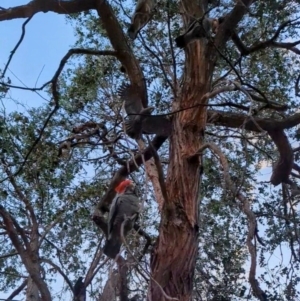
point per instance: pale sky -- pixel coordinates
(48, 38)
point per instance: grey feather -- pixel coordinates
(133, 105)
(144, 122)
(158, 125)
(123, 206)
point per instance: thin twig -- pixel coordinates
(16, 47)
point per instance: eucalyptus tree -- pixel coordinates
(211, 221)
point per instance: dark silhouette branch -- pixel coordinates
(230, 22)
(36, 6)
(244, 50)
(237, 120)
(18, 290)
(59, 270)
(16, 47)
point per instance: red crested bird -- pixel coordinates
(124, 209)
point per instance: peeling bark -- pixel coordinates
(174, 256)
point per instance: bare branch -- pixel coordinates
(283, 167)
(33, 7)
(18, 290)
(244, 50)
(16, 47)
(230, 22)
(8, 255)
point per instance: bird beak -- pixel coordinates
(132, 184)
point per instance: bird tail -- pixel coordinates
(180, 41)
(112, 248)
(132, 33)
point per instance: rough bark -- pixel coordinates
(174, 256)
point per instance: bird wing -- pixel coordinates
(112, 214)
(130, 94)
(159, 125)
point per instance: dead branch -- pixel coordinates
(153, 174)
(160, 173)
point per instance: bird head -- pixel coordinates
(124, 185)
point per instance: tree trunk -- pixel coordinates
(32, 292)
(173, 259)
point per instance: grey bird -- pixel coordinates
(124, 209)
(143, 122)
(141, 17)
(202, 28)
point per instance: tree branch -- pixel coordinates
(35, 6)
(59, 270)
(18, 290)
(235, 120)
(283, 167)
(28, 258)
(124, 171)
(120, 44)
